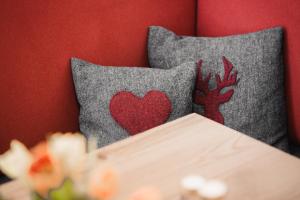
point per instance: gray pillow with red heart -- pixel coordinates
(116, 102)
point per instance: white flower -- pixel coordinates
(15, 162)
(70, 150)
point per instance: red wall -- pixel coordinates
(38, 38)
(226, 17)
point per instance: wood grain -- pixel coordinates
(195, 145)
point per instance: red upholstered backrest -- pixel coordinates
(226, 17)
(37, 38)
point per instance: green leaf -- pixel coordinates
(64, 192)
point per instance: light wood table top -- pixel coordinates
(162, 156)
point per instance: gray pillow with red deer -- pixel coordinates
(116, 102)
(240, 80)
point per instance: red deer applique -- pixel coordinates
(212, 99)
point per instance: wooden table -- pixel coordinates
(196, 145)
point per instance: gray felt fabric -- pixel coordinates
(95, 86)
(257, 107)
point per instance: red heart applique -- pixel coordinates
(136, 114)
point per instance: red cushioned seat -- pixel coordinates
(39, 37)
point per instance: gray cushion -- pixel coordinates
(116, 102)
(250, 101)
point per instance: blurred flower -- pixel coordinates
(70, 150)
(44, 172)
(47, 164)
(61, 168)
(92, 143)
(146, 193)
(15, 162)
(103, 183)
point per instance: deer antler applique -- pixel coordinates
(212, 99)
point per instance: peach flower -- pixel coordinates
(103, 183)
(44, 172)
